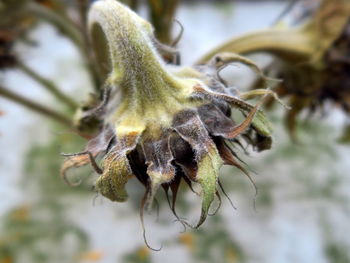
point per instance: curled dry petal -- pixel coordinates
(95, 146)
(158, 159)
(189, 126)
(116, 169)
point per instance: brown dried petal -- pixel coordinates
(253, 116)
(215, 121)
(189, 126)
(174, 187)
(93, 148)
(116, 169)
(184, 157)
(229, 158)
(160, 170)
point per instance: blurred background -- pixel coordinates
(300, 214)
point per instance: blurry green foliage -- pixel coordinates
(140, 255)
(215, 244)
(39, 230)
(337, 253)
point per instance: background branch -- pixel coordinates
(48, 85)
(38, 108)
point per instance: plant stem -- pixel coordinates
(83, 7)
(134, 64)
(69, 29)
(285, 11)
(49, 85)
(305, 43)
(35, 107)
(134, 4)
(65, 26)
(162, 15)
(284, 42)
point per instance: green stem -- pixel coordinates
(69, 29)
(83, 6)
(289, 43)
(49, 85)
(35, 107)
(133, 4)
(64, 25)
(125, 51)
(162, 17)
(303, 44)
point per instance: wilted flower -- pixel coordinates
(337, 82)
(311, 85)
(312, 58)
(169, 123)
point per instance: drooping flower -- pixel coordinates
(312, 58)
(163, 124)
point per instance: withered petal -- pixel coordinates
(94, 147)
(116, 168)
(215, 121)
(253, 115)
(160, 170)
(226, 195)
(189, 126)
(101, 141)
(219, 205)
(174, 187)
(74, 160)
(229, 158)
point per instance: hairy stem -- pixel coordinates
(124, 49)
(56, 116)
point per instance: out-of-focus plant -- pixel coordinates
(313, 58)
(40, 229)
(161, 14)
(140, 255)
(162, 18)
(17, 19)
(26, 228)
(219, 244)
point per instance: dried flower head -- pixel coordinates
(337, 81)
(163, 124)
(323, 78)
(312, 58)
